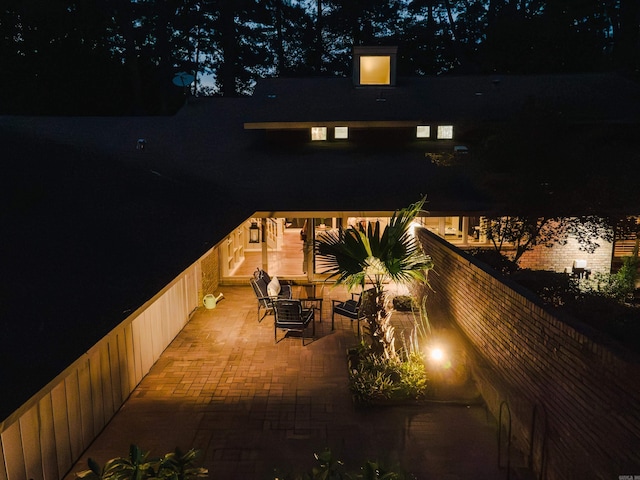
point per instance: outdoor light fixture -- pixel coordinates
(254, 233)
(436, 354)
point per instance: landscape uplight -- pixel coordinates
(437, 354)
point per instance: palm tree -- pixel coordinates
(359, 255)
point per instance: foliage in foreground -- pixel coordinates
(330, 468)
(139, 466)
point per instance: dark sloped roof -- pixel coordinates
(581, 97)
(87, 216)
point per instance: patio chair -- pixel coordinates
(268, 289)
(355, 308)
(290, 316)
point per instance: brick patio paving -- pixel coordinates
(251, 405)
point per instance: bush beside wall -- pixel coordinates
(584, 392)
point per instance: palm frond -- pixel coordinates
(346, 255)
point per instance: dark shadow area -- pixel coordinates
(86, 241)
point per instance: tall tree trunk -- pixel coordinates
(163, 51)
(229, 49)
(131, 58)
(319, 46)
(279, 40)
(447, 5)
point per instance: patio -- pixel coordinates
(252, 406)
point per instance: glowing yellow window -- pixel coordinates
(423, 131)
(375, 70)
(341, 132)
(445, 132)
(318, 133)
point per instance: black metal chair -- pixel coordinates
(290, 316)
(355, 308)
(260, 284)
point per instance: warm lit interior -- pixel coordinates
(445, 132)
(285, 245)
(423, 131)
(375, 70)
(318, 133)
(341, 132)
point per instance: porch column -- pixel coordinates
(441, 226)
(465, 230)
(265, 251)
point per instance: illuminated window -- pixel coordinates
(318, 133)
(423, 131)
(341, 132)
(445, 132)
(375, 70)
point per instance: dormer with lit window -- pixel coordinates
(374, 66)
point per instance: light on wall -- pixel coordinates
(254, 233)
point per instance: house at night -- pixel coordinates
(238, 183)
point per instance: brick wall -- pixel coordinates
(580, 397)
(559, 258)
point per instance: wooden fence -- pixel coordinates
(44, 438)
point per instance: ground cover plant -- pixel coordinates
(375, 379)
(331, 468)
(139, 465)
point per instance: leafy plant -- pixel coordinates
(330, 468)
(377, 378)
(377, 471)
(181, 466)
(138, 466)
(359, 255)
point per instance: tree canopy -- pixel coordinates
(114, 57)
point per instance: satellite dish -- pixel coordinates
(182, 79)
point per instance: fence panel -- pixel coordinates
(43, 438)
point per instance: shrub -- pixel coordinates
(375, 378)
(330, 468)
(138, 466)
(553, 288)
(495, 260)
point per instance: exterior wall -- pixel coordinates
(579, 397)
(44, 438)
(560, 258)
